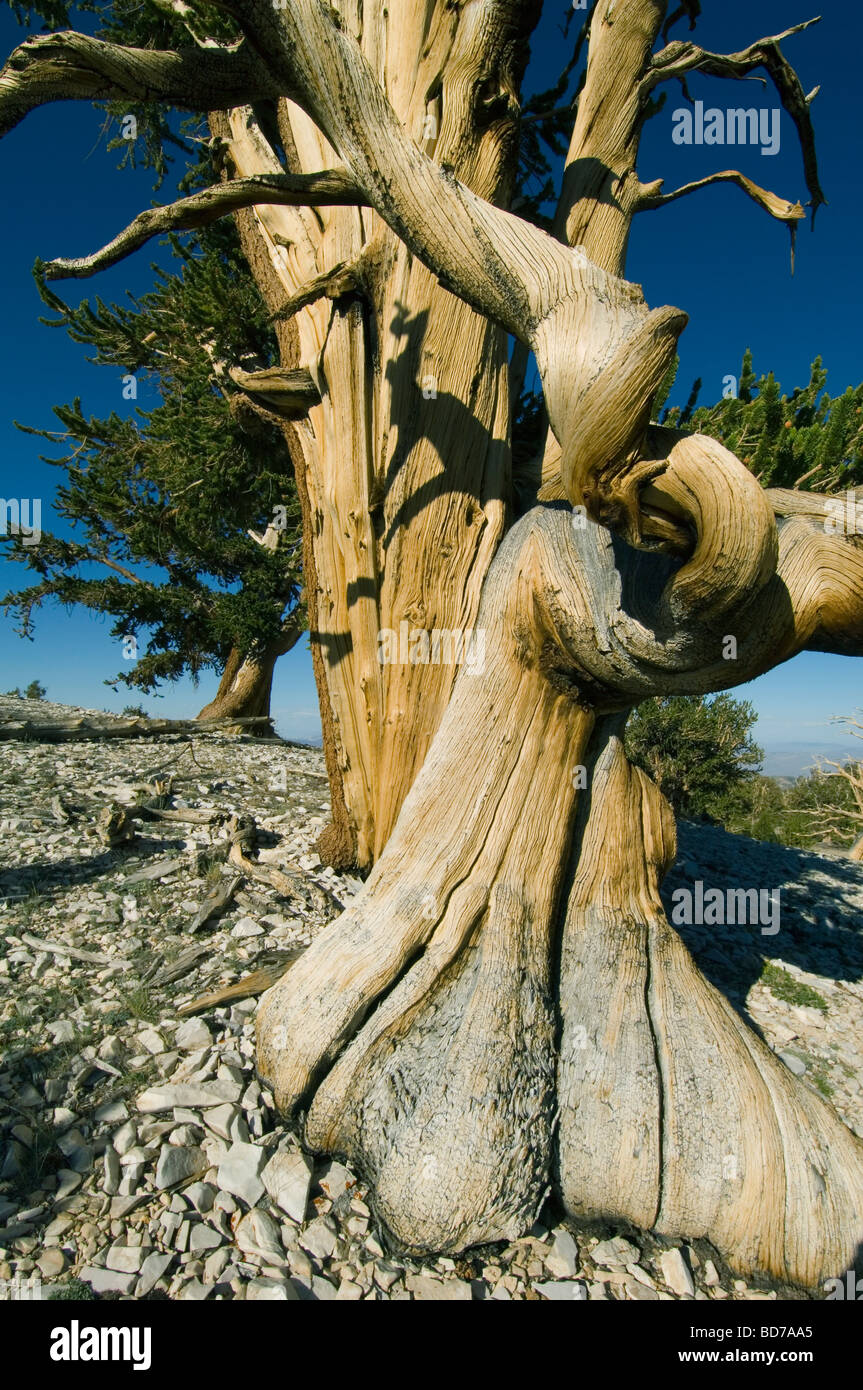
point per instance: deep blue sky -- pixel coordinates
(714, 254)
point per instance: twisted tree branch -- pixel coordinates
(69, 66)
(505, 268)
(780, 208)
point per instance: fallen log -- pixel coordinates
(183, 813)
(274, 967)
(186, 961)
(59, 948)
(115, 824)
(160, 869)
(81, 729)
(286, 882)
(263, 873)
(216, 901)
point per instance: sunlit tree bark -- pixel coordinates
(504, 1008)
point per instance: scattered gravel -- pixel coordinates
(139, 1153)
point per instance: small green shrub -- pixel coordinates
(73, 1291)
(139, 1003)
(792, 991)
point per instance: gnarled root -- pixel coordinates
(674, 1114)
(446, 1098)
(422, 1021)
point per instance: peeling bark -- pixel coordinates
(405, 463)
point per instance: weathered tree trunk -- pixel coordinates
(428, 1030)
(245, 687)
(674, 1114)
(403, 469)
(445, 1095)
(505, 1007)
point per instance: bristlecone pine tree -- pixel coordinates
(698, 750)
(185, 519)
(504, 1008)
(808, 439)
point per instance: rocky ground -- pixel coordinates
(139, 1155)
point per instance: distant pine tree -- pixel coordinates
(698, 750)
(808, 440)
(162, 505)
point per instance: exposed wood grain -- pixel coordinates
(255, 983)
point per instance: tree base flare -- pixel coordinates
(504, 1009)
(674, 1114)
(475, 1080)
(449, 1109)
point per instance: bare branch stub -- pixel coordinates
(688, 9)
(679, 58)
(780, 208)
(341, 279)
(287, 394)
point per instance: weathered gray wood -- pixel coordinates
(79, 730)
(186, 961)
(157, 870)
(271, 970)
(59, 948)
(216, 901)
(180, 813)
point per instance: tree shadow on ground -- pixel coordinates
(820, 918)
(45, 877)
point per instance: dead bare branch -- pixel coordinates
(330, 284)
(330, 187)
(679, 58)
(64, 730)
(59, 948)
(272, 967)
(780, 208)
